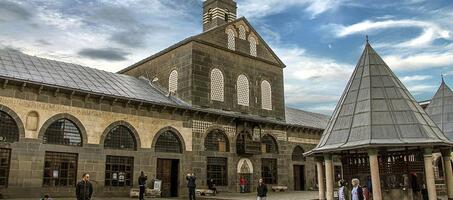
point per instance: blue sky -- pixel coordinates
(319, 40)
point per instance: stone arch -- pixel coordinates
(51, 120)
(175, 132)
(32, 121)
(121, 123)
(16, 118)
(270, 138)
(297, 154)
(245, 164)
(222, 131)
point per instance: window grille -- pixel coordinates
(252, 42)
(243, 90)
(9, 132)
(217, 170)
(168, 142)
(5, 157)
(63, 132)
(242, 32)
(173, 81)
(269, 170)
(60, 169)
(266, 95)
(217, 85)
(120, 137)
(269, 145)
(298, 154)
(119, 171)
(231, 39)
(216, 140)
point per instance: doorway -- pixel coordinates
(168, 171)
(299, 177)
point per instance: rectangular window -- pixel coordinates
(217, 170)
(269, 170)
(5, 155)
(60, 169)
(119, 171)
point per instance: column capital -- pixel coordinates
(327, 156)
(372, 152)
(446, 152)
(428, 152)
(319, 159)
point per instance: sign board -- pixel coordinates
(55, 174)
(157, 184)
(115, 176)
(121, 177)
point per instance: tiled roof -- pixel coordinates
(441, 109)
(376, 110)
(304, 118)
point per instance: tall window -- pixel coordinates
(268, 144)
(217, 85)
(119, 171)
(269, 170)
(5, 156)
(217, 169)
(216, 140)
(120, 137)
(266, 95)
(173, 81)
(9, 132)
(64, 132)
(60, 169)
(168, 142)
(242, 32)
(298, 154)
(243, 90)
(231, 39)
(252, 42)
(226, 15)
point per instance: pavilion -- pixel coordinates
(379, 132)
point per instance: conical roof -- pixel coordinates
(440, 109)
(376, 110)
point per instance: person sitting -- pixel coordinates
(46, 197)
(211, 186)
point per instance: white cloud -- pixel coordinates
(419, 61)
(415, 78)
(421, 88)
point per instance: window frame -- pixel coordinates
(217, 169)
(242, 83)
(212, 137)
(57, 158)
(62, 130)
(269, 170)
(266, 98)
(166, 146)
(111, 165)
(8, 128)
(219, 94)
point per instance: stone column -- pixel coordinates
(446, 155)
(321, 187)
(375, 178)
(429, 173)
(329, 176)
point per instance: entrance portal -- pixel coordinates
(167, 172)
(245, 170)
(299, 177)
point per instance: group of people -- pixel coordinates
(357, 192)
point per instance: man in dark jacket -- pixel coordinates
(261, 190)
(84, 189)
(142, 184)
(191, 185)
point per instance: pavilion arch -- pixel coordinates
(16, 118)
(131, 128)
(270, 142)
(51, 120)
(298, 154)
(175, 132)
(220, 133)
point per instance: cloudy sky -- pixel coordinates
(319, 41)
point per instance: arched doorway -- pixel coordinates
(245, 171)
(298, 168)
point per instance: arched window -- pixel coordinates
(266, 95)
(243, 90)
(216, 140)
(64, 132)
(120, 137)
(268, 144)
(298, 154)
(252, 42)
(242, 32)
(217, 85)
(231, 39)
(169, 142)
(173, 81)
(9, 131)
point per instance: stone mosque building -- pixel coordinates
(212, 104)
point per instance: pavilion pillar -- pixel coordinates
(375, 178)
(446, 155)
(321, 186)
(329, 176)
(429, 173)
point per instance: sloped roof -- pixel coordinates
(305, 118)
(441, 109)
(376, 110)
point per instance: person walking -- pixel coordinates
(191, 185)
(342, 190)
(142, 184)
(84, 189)
(356, 192)
(261, 190)
(242, 183)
